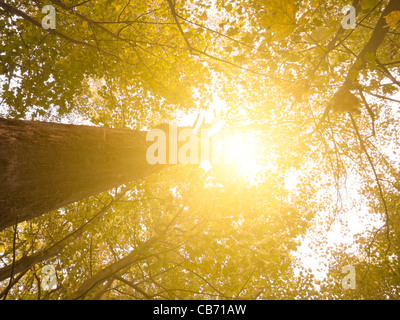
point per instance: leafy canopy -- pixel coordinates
(280, 67)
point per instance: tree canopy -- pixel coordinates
(314, 102)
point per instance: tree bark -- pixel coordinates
(44, 166)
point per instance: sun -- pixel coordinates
(237, 150)
(241, 149)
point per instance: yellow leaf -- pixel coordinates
(345, 101)
(284, 31)
(392, 19)
(321, 34)
(279, 17)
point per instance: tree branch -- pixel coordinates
(10, 284)
(377, 181)
(172, 8)
(28, 18)
(27, 262)
(371, 47)
(135, 287)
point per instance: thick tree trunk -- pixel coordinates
(44, 166)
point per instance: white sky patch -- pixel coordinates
(216, 107)
(291, 180)
(354, 216)
(175, 191)
(347, 217)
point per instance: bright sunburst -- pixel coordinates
(238, 151)
(240, 148)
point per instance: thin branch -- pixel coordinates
(13, 262)
(38, 285)
(15, 280)
(79, 4)
(133, 286)
(377, 181)
(221, 34)
(372, 45)
(387, 73)
(33, 21)
(370, 112)
(103, 290)
(245, 283)
(383, 97)
(172, 8)
(25, 263)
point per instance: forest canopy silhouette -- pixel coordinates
(303, 98)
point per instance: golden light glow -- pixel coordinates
(240, 149)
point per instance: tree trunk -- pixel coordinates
(44, 166)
